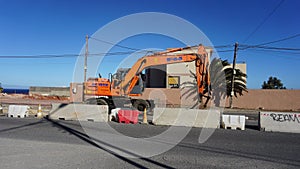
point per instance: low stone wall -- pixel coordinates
(50, 91)
(275, 100)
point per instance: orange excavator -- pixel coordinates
(118, 90)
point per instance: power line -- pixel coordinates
(124, 47)
(276, 51)
(223, 51)
(279, 40)
(220, 46)
(120, 46)
(268, 47)
(275, 48)
(285, 51)
(68, 55)
(264, 20)
(284, 54)
(261, 45)
(244, 46)
(37, 56)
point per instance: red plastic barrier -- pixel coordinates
(128, 116)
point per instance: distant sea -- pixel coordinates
(16, 91)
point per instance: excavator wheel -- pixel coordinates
(101, 102)
(96, 101)
(140, 104)
(91, 101)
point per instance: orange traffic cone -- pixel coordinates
(39, 112)
(145, 120)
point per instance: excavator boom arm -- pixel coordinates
(200, 58)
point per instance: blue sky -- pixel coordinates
(38, 27)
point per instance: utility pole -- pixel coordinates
(86, 55)
(85, 65)
(233, 73)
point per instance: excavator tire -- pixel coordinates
(97, 101)
(101, 102)
(91, 101)
(140, 104)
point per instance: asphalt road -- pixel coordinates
(35, 143)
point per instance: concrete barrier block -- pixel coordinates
(280, 121)
(187, 117)
(97, 113)
(19, 111)
(233, 122)
(62, 112)
(80, 112)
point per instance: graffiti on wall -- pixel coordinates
(285, 117)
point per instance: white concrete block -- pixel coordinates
(280, 121)
(63, 112)
(20, 111)
(80, 112)
(233, 122)
(187, 117)
(86, 112)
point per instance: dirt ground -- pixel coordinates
(34, 99)
(33, 102)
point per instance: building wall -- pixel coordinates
(267, 99)
(241, 66)
(275, 100)
(183, 70)
(76, 92)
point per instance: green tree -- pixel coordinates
(273, 83)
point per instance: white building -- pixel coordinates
(178, 75)
(173, 75)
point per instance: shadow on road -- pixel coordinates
(31, 124)
(21, 127)
(92, 141)
(252, 127)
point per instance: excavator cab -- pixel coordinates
(140, 85)
(119, 76)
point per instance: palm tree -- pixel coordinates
(239, 80)
(220, 87)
